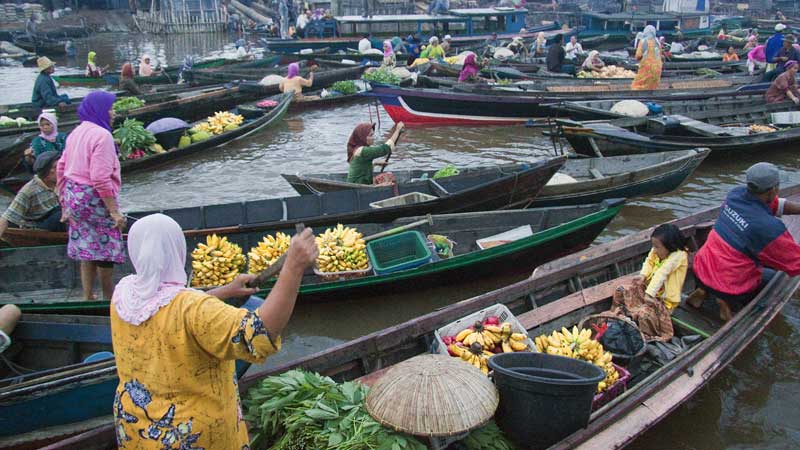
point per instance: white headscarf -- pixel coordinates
(157, 250)
(589, 63)
(648, 35)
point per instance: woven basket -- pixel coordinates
(433, 396)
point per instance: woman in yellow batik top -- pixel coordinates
(656, 292)
(175, 348)
(648, 53)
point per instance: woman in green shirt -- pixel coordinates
(48, 140)
(361, 150)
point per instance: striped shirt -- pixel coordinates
(33, 202)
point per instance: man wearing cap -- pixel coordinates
(36, 204)
(787, 53)
(773, 45)
(785, 85)
(748, 243)
(45, 94)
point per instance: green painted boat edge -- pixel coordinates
(607, 213)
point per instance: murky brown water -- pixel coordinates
(750, 405)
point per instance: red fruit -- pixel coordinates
(492, 320)
(448, 340)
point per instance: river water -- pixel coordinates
(749, 405)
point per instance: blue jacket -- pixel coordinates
(774, 44)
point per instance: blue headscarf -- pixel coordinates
(95, 108)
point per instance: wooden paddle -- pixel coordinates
(428, 219)
(386, 161)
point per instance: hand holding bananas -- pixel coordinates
(579, 345)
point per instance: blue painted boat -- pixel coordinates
(624, 26)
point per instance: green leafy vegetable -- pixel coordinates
(347, 87)
(126, 103)
(132, 136)
(447, 171)
(487, 437)
(302, 410)
(383, 75)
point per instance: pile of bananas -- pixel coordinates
(579, 344)
(217, 262)
(341, 249)
(755, 128)
(219, 123)
(483, 339)
(267, 252)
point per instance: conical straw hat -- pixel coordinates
(433, 395)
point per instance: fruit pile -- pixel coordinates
(482, 340)
(579, 345)
(761, 129)
(267, 252)
(217, 262)
(341, 249)
(608, 72)
(219, 123)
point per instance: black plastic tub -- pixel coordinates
(543, 398)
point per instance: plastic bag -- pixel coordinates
(622, 338)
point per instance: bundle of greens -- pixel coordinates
(132, 136)
(347, 87)
(383, 75)
(487, 437)
(126, 103)
(446, 171)
(300, 410)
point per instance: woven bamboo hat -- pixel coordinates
(434, 396)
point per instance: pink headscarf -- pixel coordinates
(157, 250)
(294, 70)
(469, 69)
(387, 49)
(50, 117)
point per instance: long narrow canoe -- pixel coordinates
(558, 294)
(551, 232)
(481, 192)
(593, 180)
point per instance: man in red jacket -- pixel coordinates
(748, 243)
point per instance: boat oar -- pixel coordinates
(386, 161)
(428, 219)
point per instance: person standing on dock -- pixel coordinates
(45, 94)
(748, 243)
(785, 86)
(367, 7)
(36, 205)
(283, 11)
(176, 347)
(89, 183)
(648, 53)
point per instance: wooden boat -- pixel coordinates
(472, 105)
(482, 192)
(733, 107)
(678, 132)
(170, 75)
(327, 76)
(71, 383)
(545, 233)
(593, 179)
(42, 46)
(309, 100)
(558, 294)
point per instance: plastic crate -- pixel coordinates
(398, 252)
(614, 391)
(500, 310)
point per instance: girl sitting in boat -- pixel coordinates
(361, 150)
(730, 56)
(652, 296)
(470, 70)
(48, 140)
(92, 70)
(294, 82)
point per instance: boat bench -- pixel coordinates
(695, 126)
(62, 332)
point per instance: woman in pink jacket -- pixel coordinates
(756, 59)
(88, 187)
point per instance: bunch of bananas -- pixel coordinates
(219, 123)
(473, 354)
(490, 336)
(579, 344)
(268, 250)
(217, 262)
(341, 249)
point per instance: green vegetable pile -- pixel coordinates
(382, 75)
(132, 136)
(126, 103)
(347, 87)
(447, 171)
(488, 437)
(300, 410)
(8, 122)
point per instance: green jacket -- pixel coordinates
(361, 165)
